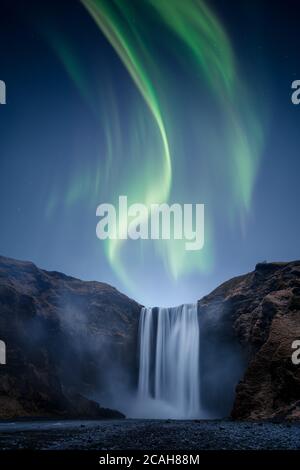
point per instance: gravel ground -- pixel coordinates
(149, 435)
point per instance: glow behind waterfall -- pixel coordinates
(169, 370)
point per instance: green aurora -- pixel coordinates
(190, 132)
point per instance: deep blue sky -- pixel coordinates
(46, 127)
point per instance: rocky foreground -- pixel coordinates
(149, 435)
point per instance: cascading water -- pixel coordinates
(169, 352)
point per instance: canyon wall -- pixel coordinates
(71, 343)
(65, 339)
(262, 311)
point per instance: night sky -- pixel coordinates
(183, 102)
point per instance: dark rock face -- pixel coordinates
(69, 341)
(62, 337)
(263, 310)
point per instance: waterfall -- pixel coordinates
(169, 359)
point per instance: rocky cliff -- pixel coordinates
(262, 311)
(69, 341)
(65, 340)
